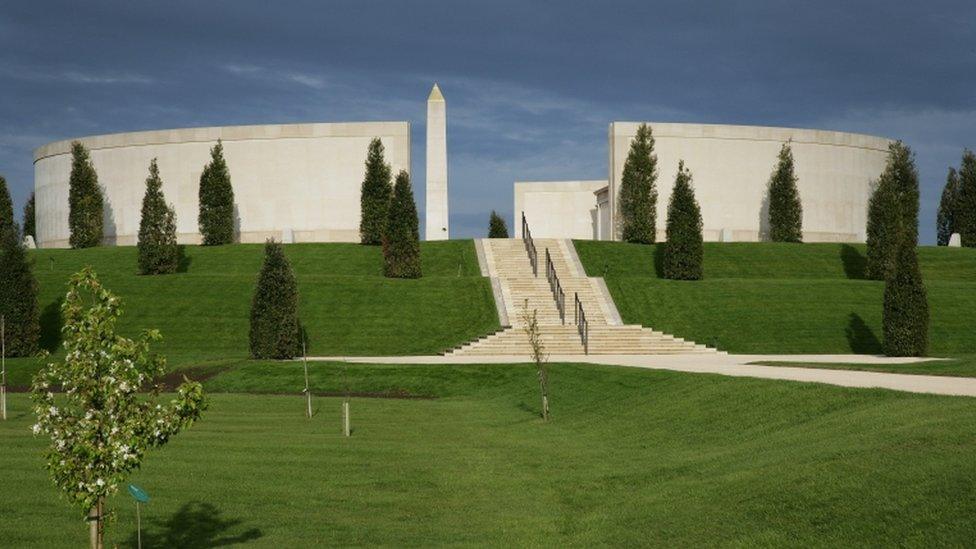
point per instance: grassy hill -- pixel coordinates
(347, 306)
(783, 298)
(632, 458)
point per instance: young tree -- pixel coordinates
(375, 197)
(275, 328)
(785, 209)
(30, 223)
(216, 218)
(892, 211)
(90, 405)
(966, 214)
(530, 325)
(946, 223)
(638, 194)
(906, 307)
(85, 201)
(158, 251)
(18, 293)
(683, 251)
(6, 206)
(496, 226)
(401, 241)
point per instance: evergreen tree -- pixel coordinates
(496, 226)
(6, 206)
(401, 241)
(18, 294)
(638, 194)
(158, 251)
(275, 327)
(946, 222)
(374, 200)
(683, 252)
(892, 211)
(785, 209)
(30, 223)
(216, 218)
(906, 308)
(85, 200)
(966, 214)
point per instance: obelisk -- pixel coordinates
(436, 166)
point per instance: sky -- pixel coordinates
(531, 86)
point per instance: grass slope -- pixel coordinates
(633, 457)
(347, 306)
(783, 298)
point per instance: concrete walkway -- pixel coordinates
(731, 365)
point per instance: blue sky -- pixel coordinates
(531, 85)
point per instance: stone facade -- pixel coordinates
(299, 180)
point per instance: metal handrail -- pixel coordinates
(556, 287)
(530, 246)
(582, 326)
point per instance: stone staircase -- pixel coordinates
(507, 263)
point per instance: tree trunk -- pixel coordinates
(95, 524)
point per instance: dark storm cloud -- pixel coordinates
(531, 86)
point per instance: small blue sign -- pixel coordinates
(138, 494)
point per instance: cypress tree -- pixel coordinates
(18, 293)
(638, 194)
(683, 252)
(496, 226)
(906, 308)
(892, 210)
(275, 327)
(158, 251)
(785, 209)
(85, 200)
(216, 218)
(401, 240)
(30, 224)
(6, 206)
(374, 202)
(966, 214)
(946, 222)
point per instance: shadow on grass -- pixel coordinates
(195, 525)
(182, 260)
(860, 337)
(51, 326)
(854, 263)
(659, 260)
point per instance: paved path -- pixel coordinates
(732, 365)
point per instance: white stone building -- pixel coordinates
(731, 166)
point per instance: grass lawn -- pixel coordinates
(783, 298)
(632, 457)
(961, 366)
(347, 306)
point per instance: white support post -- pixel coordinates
(345, 418)
(308, 393)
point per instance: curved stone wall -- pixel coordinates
(731, 166)
(296, 180)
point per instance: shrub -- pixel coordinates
(85, 201)
(30, 223)
(638, 195)
(275, 328)
(374, 200)
(785, 209)
(158, 251)
(216, 218)
(683, 252)
(966, 214)
(906, 308)
(496, 226)
(18, 290)
(401, 241)
(6, 206)
(892, 211)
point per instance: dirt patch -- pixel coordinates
(396, 394)
(171, 380)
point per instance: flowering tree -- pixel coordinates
(90, 406)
